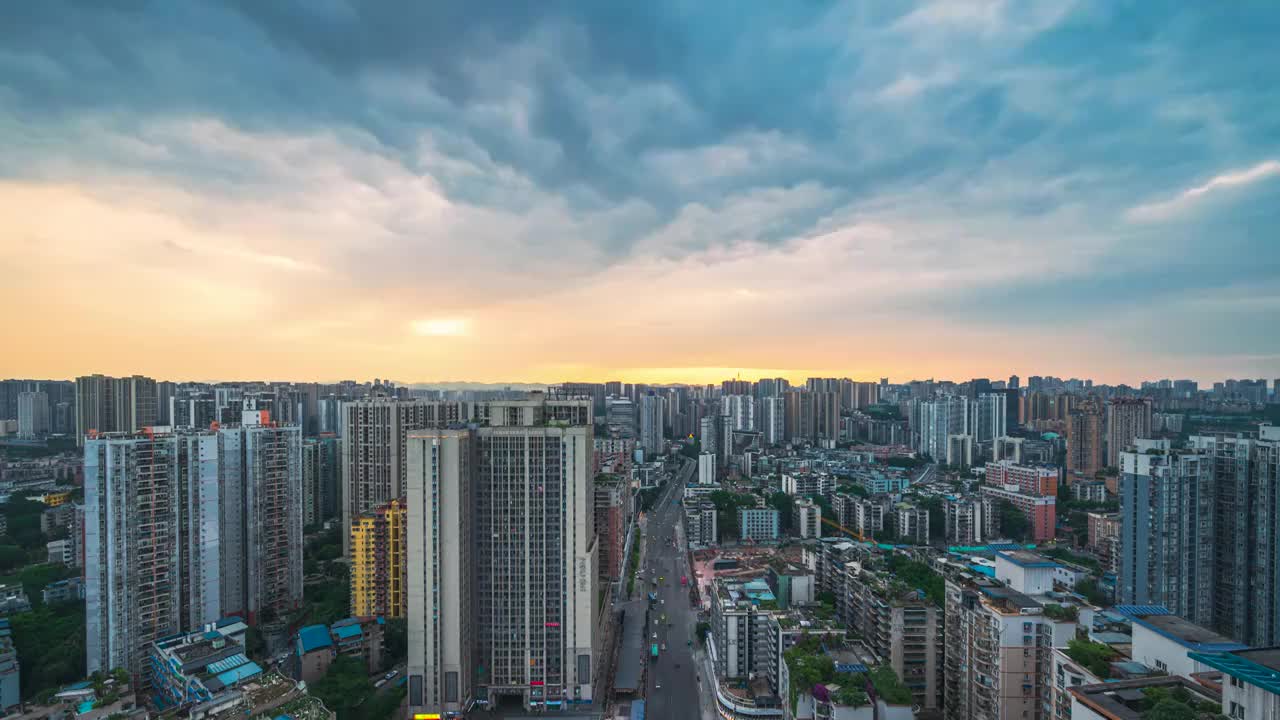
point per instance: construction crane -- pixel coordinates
(845, 530)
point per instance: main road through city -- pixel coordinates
(671, 685)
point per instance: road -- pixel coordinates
(671, 685)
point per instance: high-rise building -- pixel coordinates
(153, 511)
(1127, 420)
(826, 406)
(773, 419)
(1167, 530)
(1246, 528)
(1013, 382)
(502, 564)
(33, 415)
(800, 415)
(613, 517)
(321, 472)
(901, 627)
(806, 521)
(373, 452)
(1084, 441)
(964, 521)
(653, 436)
(378, 564)
(935, 421)
(989, 417)
(107, 404)
(620, 417)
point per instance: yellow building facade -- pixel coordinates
(378, 561)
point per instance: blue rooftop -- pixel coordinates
(637, 710)
(1158, 619)
(346, 632)
(244, 672)
(314, 637)
(1260, 666)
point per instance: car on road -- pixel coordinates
(391, 674)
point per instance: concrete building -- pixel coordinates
(198, 668)
(989, 417)
(806, 484)
(901, 626)
(1166, 642)
(373, 451)
(773, 419)
(1030, 479)
(707, 468)
(1084, 441)
(321, 478)
(964, 520)
(869, 516)
(911, 524)
(700, 525)
(1246, 534)
(620, 417)
(826, 407)
(149, 576)
(1167, 530)
(613, 509)
(806, 519)
(740, 639)
(519, 599)
(1251, 687)
(758, 524)
(33, 415)
(935, 421)
(999, 645)
(1127, 420)
(959, 451)
(1040, 511)
(378, 566)
(653, 435)
(708, 434)
(107, 404)
(1126, 699)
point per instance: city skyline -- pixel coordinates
(565, 191)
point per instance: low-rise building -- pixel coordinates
(13, 599)
(317, 646)
(10, 687)
(63, 591)
(1170, 643)
(198, 667)
(1127, 699)
(1251, 686)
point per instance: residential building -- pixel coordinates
(708, 434)
(63, 591)
(373, 450)
(869, 516)
(964, 520)
(33, 415)
(999, 645)
(10, 670)
(653, 436)
(902, 627)
(1039, 510)
(1030, 479)
(1084, 441)
(1167, 530)
(911, 524)
(321, 474)
(773, 422)
(989, 417)
(1246, 534)
(1164, 641)
(620, 417)
(935, 421)
(758, 524)
(378, 565)
(740, 641)
(700, 524)
(106, 404)
(1127, 420)
(706, 468)
(502, 563)
(826, 406)
(806, 484)
(13, 599)
(806, 519)
(1251, 686)
(63, 552)
(613, 518)
(959, 450)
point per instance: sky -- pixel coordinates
(658, 191)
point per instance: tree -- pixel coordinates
(50, 644)
(785, 505)
(1095, 656)
(344, 687)
(889, 687)
(395, 640)
(1170, 709)
(1090, 590)
(919, 576)
(937, 517)
(12, 557)
(1012, 522)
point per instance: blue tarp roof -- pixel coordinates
(244, 672)
(347, 632)
(314, 637)
(637, 710)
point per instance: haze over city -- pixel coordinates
(663, 192)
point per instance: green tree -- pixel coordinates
(889, 687)
(1095, 656)
(344, 687)
(937, 517)
(12, 557)
(1170, 709)
(1090, 590)
(50, 645)
(918, 576)
(785, 505)
(395, 642)
(1012, 522)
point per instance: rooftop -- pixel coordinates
(1184, 632)
(1027, 559)
(1124, 699)
(1260, 666)
(313, 637)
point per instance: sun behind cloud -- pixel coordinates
(442, 327)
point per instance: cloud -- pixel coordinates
(1164, 209)
(656, 185)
